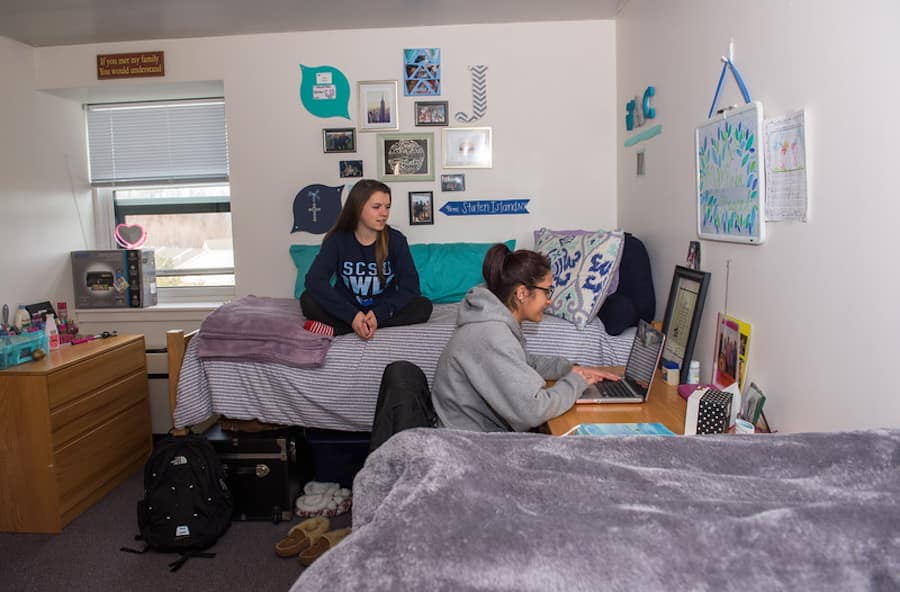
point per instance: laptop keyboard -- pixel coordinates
(616, 390)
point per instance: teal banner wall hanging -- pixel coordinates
(485, 207)
(324, 91)
(421, 72)
(316, 208)
(479, 95)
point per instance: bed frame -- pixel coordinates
(176, 344)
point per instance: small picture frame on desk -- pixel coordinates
(682, 320)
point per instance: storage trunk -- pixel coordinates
(265, 470)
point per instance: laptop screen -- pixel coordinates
(644, 357)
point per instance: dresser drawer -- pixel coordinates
(90, 461)
(81, 415)
(73, 381)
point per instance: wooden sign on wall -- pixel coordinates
(130, 65)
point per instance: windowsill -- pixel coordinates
(159, 312)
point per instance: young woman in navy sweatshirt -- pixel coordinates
(376, 282)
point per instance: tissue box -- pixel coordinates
(16, 349)
(708, 412)
(119, 278)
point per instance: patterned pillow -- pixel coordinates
(583, 267)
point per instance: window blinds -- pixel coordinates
(164, 142)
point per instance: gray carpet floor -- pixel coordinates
(86, 555)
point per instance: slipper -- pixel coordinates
(322, 544)
(319, 487)
(313, 501)
(340, 507)
(301, 536)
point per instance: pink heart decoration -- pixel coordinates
(130, 236)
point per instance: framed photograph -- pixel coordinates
(467, 148)
(421, 207)
(351, 168)
(431, 113)
(682, 320)
(405, 157)
(378, 105)
(752, 404)
(454, 182)
(726, 363)
(341, 139)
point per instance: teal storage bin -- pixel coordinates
(17, 349)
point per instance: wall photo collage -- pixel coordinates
(403, 156)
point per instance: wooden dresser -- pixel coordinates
(72, 427)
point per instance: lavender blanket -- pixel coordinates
(448, 510)
(261, 329)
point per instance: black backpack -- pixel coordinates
(186, 505)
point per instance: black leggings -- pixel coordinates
(417, 311)
(404, 402)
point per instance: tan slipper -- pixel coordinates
(301, 536)
(318, 547)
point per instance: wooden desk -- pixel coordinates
(664, 405)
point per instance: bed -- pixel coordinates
(341, 394)
(449, 510)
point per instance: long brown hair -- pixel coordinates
(504, 270)
(349, 218)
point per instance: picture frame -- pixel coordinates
(431, 113)
(752, 404)
(350, 168)
(453, 182)
(726, 365)
(405, 157)
(378, 105)
(339, 139)
(467, 147)
(681, 322)
(421, 208)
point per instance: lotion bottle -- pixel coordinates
(52, 332)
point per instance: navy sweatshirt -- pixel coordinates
(357, 287)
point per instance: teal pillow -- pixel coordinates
(303, 256)
(448, 270)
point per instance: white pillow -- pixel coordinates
(583, 267)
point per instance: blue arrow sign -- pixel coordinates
(485, 207)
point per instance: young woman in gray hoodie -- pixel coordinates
(486, 380)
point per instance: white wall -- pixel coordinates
(39, 134)
(551, 103)
(821, 295)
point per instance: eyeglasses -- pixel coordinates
(547, 291)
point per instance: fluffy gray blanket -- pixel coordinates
(447, 510)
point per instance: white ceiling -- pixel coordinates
(69, 22)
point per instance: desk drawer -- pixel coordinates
(79, 416)
(90, 461)
(73, 381)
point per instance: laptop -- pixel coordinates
(640, 371)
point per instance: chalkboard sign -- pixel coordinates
(730, 176)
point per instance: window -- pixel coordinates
(164, 165)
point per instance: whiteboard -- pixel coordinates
(731, 176)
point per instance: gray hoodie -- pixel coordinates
(486, 381)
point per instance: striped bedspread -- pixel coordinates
(341, 394)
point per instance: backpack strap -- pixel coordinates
(130, 550)
(176, 565)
